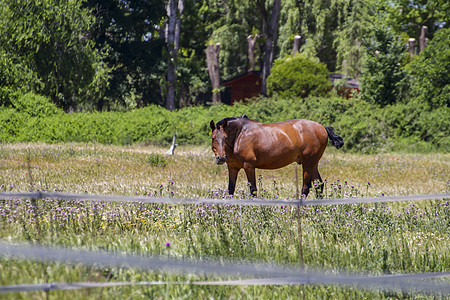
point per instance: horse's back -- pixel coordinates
(301, 131)
(275, 145)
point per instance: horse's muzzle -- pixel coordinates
(220, 160)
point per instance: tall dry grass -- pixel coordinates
(378, 239)
(191, 172)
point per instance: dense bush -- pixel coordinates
(35, 105)
(384, 80)
(430, 72)
(365, 127)
(298, 76)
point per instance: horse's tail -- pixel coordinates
(335, 140)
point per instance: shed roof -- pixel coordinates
(351, 82)
(233, 80)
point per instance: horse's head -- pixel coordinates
(218, 142)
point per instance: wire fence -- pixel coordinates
(225, 201)
(266, 274)
(260, 274)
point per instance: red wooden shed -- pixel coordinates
(247, 85)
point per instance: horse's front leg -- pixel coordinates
(250, 172)
(232, 177)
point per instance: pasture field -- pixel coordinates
(400, 237)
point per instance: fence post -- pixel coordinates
(299, 221)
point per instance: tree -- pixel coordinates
(132, 33)
(291, 16)
(319, 26)
(354, 24)
(332, 31)
(49, 40)
(230, 23)
(430, 72)
(173, 44)
(270, 30)
(384, 80)
(298, 76)
(212, 57)
(408, 16)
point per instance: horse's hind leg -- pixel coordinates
(250, 172)
(310, 175)
(318, 183)
(307, 175)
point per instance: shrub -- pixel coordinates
(430, 72)
(11, 124)
(384, 80)
(365, 127)
(298, 76)
(157, 160)
(34, 105)
(417, 122)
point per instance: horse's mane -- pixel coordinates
(228, 119)
(233, 126)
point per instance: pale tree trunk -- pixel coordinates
(172, 41)
(423, 38)
(271, 42)
(297, 39)
(412, 46)
(251, 42)
(212, 60)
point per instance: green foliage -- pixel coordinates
(298, 76)
(129, 32)
(157, 160)
(15, 77)
(333, 31)
(48, 41)
(108, 55)
(418, 124)
(35, 105)
(384, 80)
(11, 124)
(232, 42)
(356, 18)
(430, 72)
(407, 17)
(365, 127)
(319, 17)
(362, 130)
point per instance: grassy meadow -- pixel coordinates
(401, 237)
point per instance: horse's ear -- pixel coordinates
(224, 124)
(212, 125)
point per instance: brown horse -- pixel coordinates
(248, 144)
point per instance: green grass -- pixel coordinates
(392, 238)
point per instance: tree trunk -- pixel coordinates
(172, 41)
(297, 39)
(423, 38)
(251, 42)
(271, 42)
(412, 46)
(212, 59)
